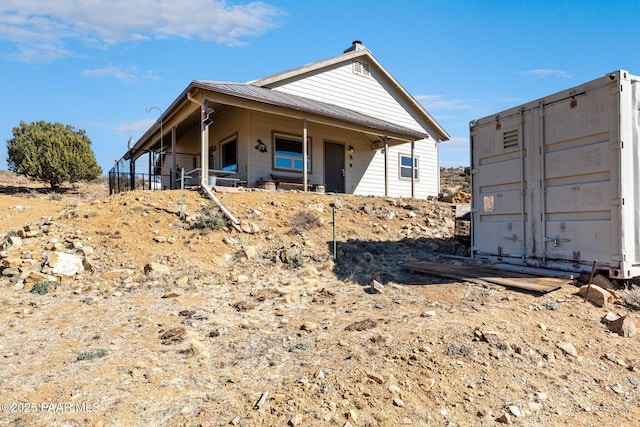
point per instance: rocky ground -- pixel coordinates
(116, 312)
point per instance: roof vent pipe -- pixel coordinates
(355, 45)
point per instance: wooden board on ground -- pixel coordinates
(483, 274)
(536, 271)
(224, 189)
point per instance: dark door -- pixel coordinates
(334, 171)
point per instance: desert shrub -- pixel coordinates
(631, 297)
(459, 349)
(296, 260)
(42, 287)
(304, 221)
(92, 354)
(211, 220)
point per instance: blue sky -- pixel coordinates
(99, 65)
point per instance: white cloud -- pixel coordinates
(42, 30)
(137, 127)
(458, 143)
(454, 153)
(128, 74)
(437, 102)
(541, 73)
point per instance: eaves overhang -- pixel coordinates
(252, 97)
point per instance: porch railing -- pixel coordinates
(157, 175)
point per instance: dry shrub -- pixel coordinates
(304, 221)
(459, 349)
(631, 297)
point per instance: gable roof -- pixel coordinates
(299, 103)
(358, 51)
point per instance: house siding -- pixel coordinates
(262, 127)
(372, 95)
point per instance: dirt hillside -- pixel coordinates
(117, 312)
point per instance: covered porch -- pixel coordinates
(240, 134)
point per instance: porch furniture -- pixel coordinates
(295, 182)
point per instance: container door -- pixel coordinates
(580, 199)
(498, 188)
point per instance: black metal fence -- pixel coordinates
(147, 171)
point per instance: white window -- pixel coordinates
(287, 154)
(405, 167)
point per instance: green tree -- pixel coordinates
(52, 153)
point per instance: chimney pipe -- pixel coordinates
(355, 45)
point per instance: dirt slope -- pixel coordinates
(259, 326)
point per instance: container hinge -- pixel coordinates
(556, 240)
(512, 237)
(475, 210)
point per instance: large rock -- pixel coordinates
(603, 282)
(622, 326)
(12, 262)
(65, 264)
(36, 276)
(596, 295)
(15, 241)
(249, 227)
(567, 348)
(156, 269)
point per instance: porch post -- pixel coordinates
(174, 164)
(413, 171)
(304, 155)
(151, 159)
(132, 173)
(204, 149)
(386, 166)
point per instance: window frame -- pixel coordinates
(292, 138)
(401, 167)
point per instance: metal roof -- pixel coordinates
(299, 103)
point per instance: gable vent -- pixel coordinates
(361, 68)
(510, 139)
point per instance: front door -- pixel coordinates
(334, 172)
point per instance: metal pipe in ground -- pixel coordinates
(335, 254)
(593, 270)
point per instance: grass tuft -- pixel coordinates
(42, 287)
(92, 354)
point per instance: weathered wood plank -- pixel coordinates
(536, 271)
(474, 273)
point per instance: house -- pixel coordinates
(365, 133)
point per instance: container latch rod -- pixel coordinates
(556, 240)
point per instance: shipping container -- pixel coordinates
(556, 181)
